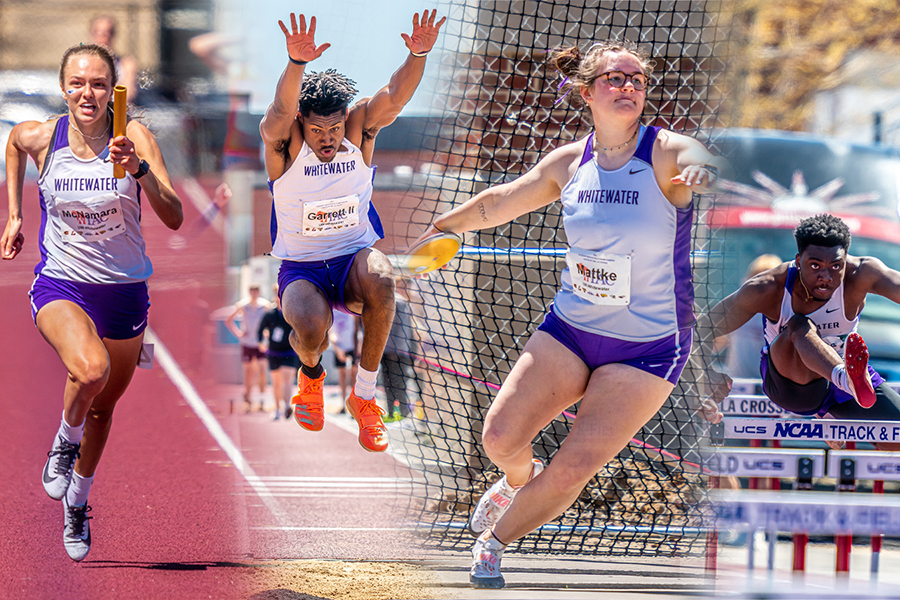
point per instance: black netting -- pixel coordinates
(498, 98)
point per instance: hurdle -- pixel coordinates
(744, 402)
(876, 465)
(800, 429)
(803, 465)
(848, 466)
(811, 513)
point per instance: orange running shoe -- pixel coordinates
(856, 357)
(309, 403)
(372, 432)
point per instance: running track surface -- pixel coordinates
(173, 517)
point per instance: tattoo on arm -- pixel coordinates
(482, 211)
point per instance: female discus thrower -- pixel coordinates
(626, 191)
(89, 297)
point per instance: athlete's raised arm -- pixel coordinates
(301, 49)
(381, 109)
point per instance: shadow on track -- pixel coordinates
(164, 566)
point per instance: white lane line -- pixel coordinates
(319, 495)
(302, 479)
(336, 484)
(190, 395)
(201, 201)
(334, 528)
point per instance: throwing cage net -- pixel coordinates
(500, 112)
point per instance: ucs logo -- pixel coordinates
(753, 429)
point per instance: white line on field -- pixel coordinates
(184, 385)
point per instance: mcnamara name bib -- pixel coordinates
(95, 220)
(599, 277)
(330, 217)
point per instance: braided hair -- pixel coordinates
(326, 93)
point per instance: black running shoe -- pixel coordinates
(59, 467)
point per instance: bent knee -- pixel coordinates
(799, 324)
(500, 444)
(310, 332)
(90, 373)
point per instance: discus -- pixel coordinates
(430, 254)
(120, 97)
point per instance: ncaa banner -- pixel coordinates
(825, 430)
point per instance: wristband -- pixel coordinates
(297, 62)
(712, 170)
(420, 55)
(143, 169)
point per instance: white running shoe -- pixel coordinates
(77, 532)
(486, 555)
(59, 467)
(495, 501)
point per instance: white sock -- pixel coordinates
(839, 378)
(70, 434)
(77, 494)
(365, 383)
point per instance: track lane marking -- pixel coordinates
(201, 201)
(190, 395)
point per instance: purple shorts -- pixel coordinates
(330, 276)
(118, 310)
(664, 358)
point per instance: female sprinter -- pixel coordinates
(89, 297)
(619, 331)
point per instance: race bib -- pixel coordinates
(837, 342)
(98, 220)
(277, 334)
(330, 217)
(600, 278)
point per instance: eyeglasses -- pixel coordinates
(618, 79)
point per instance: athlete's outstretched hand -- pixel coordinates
(424, 34)
(301, 44)
(697, 175)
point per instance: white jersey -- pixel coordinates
(90, 222)
(831, 319)
(628, 272)
(323, 210)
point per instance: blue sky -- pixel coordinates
(364, 35)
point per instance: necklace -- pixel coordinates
(805, 289)
(631, 139)
(99, 137)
